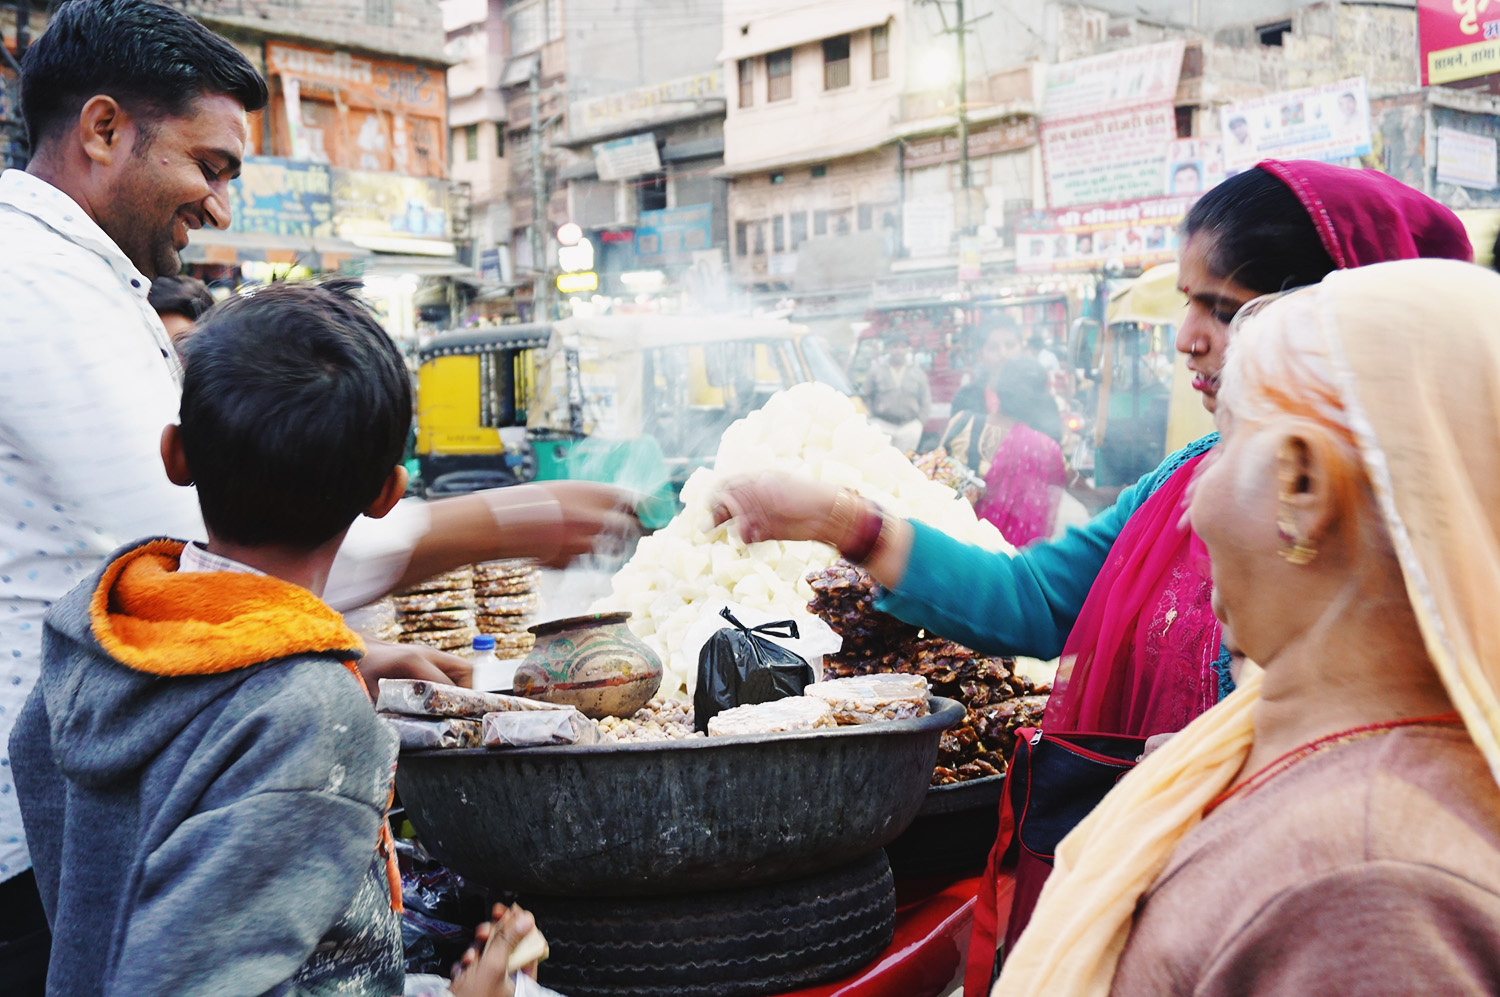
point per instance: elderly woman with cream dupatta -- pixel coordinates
(1335, 823)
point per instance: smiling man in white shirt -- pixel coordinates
(137, 116)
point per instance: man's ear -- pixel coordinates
(173, 458)
(390, 493)
(105, 130)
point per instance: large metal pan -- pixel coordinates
(671, 817)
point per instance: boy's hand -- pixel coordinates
(411, 661)
(483, 970)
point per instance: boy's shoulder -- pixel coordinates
(306, 723)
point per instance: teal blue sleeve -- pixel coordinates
(1021, 604)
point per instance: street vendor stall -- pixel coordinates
(806, 796)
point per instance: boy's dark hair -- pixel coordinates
(1264, 238)
(152, 59)
(180, 295)
(295, 410)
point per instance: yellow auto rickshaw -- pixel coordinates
(638, 400)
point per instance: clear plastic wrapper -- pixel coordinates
(868, 698)
(420, 698)
(530, 730)
(795, 713)
(447, 732)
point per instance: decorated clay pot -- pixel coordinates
(593, 663)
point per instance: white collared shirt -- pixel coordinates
(88, 378)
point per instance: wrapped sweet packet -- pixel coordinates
(531, 729)
(420, 698)
(448, 732)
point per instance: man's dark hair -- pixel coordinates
(295, 409)
(155, 61)
(180, 295)
(1263, 238)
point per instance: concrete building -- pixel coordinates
(480, 153)
(20, 21)
(642, 144)
(349, 164)
(810, 141)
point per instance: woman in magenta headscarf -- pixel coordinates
(1125, 600)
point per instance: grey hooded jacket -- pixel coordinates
(205, 834)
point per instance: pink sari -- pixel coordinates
(1023, 486)
(1140, 659)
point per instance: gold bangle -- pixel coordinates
(843, 518)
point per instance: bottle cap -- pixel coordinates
(484, 642)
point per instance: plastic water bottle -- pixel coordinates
(490, 673)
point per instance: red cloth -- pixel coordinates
(1023, 486)
(1140, 659)
(1116, 646)
(1365, 216)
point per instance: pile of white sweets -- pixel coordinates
(690, 565)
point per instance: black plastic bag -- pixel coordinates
(740, 666)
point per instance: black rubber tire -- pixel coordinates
(731, 943)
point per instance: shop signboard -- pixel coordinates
(984, 140)
(1111, 156)
(282, 197)
(1107, 122)
(927, 224)
(648, 105)
(389, 206)
(625, 158)
(672, 235)
(1458, 39)
(1130, 77)
(1467, 160)
(1137, 233)
(1329, 122)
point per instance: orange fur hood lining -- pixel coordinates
(152, 619)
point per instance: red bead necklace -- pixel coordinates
(1296, 755)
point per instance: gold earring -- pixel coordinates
(1295, 550)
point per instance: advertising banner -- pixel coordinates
(1467, 160)
(672, 235)
(1459, 39)
(1193, 166)
(1111, 156)
(1137, 233)
(1329, 122)
(282, 197)
(350, 111)
(389, 206)
(1106, 124)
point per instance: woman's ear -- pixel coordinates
(1309, 494)
(173, 458)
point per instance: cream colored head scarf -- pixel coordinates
(1415, 346)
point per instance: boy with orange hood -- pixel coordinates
(202, 777)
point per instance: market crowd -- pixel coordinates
(1299, 606)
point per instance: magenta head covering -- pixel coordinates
(1365, 216)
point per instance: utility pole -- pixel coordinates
(960, 31)
(540, 292)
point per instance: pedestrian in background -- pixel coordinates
(898, 395)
